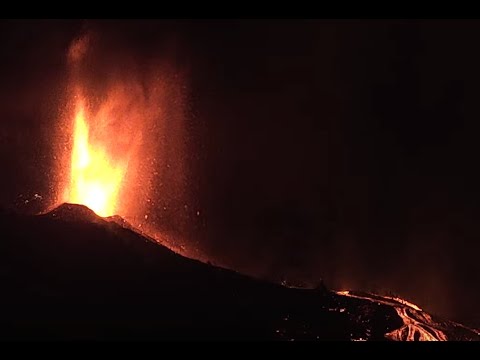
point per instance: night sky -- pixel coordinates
(342, 150)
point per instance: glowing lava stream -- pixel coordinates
(95, 180)
(417, 325)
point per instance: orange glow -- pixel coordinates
(417, 324)
(95, 179)
(120, 137)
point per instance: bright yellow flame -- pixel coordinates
(95, 181)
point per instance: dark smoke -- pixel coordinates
(342, 150)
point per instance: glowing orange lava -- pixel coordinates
(120, 127)
(417, 324)
(95, 178)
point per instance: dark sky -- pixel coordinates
(343, 150)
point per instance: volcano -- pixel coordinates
(72, 275)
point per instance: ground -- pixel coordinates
(69, 274)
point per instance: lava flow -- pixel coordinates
(417, 324)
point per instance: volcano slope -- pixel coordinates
(71, 275)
